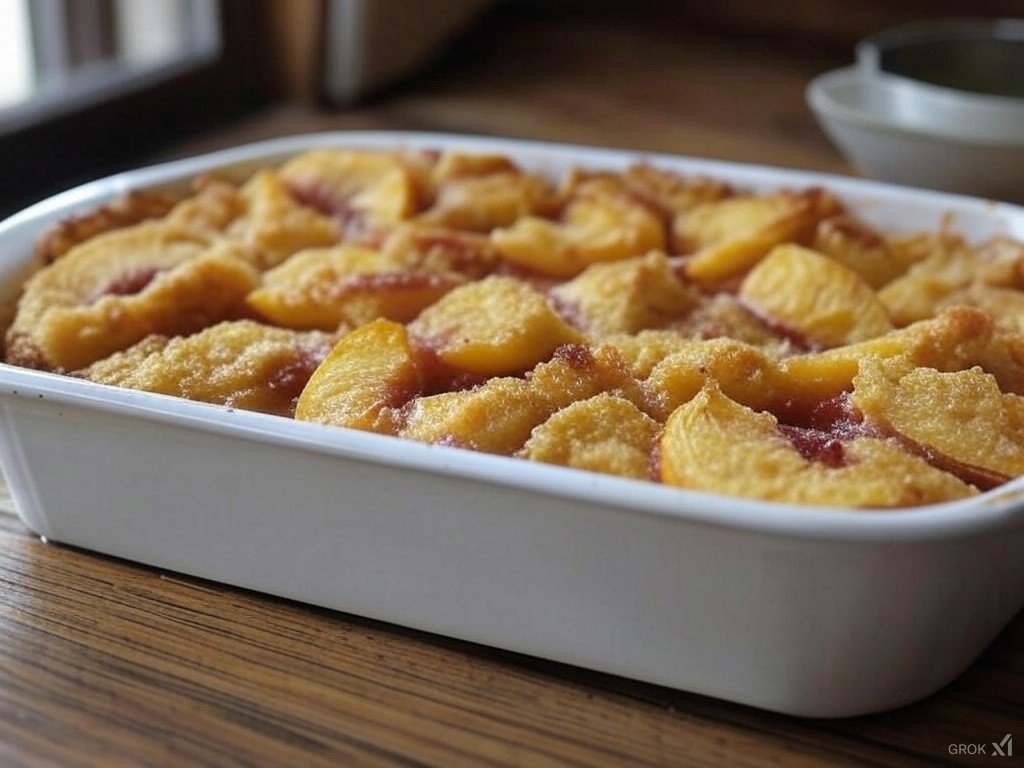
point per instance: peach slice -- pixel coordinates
(124, 211)
(495, 326)
(497, 416)
(432, 249)
(715, 444)
(118, 288)
(456, 165)
(596, 227)
(604, 433)
(325, 288)
(744, 373)
(381, 185)
(860, 248)
(1002, 262)
(262, 216)
(90, 267)
(664, 192)
(626, 296)
(371, 372)
(917, 294)
(672, 192)
(577, 372)
(1004, 305)
(730, 236)
(958, 416)
(723, 315)
(642, 351)
(958, 338)
(240, 364)
(816, 296)
(483, 203)
(950, 268)
(275, 226)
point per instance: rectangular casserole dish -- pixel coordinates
(808, 611)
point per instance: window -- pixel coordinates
(16, 71)
(90, 87)
(61, 55)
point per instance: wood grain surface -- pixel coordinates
(106, 663)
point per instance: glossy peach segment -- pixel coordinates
(626, 296)
(326, 288)
(819, 298)
(370, 373)
(960, 415)
(604, 433)
(495, 326)
(241, 364)
(593, 229)
(381, 185)
(714, 444)
(730, 236)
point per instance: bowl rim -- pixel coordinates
(868, 54)
(824, 104)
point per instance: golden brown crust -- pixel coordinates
(713, 443)
(123, 211)
(617, 321)
(20, 349)
(117, 288)
(237, 363)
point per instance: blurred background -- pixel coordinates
(90, 87)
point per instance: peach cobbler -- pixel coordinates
(637, 323)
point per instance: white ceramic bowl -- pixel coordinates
(973, 65)
(893, 130)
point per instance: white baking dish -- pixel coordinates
(819, 612)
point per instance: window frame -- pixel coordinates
(113, 124)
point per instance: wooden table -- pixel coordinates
(107, 663)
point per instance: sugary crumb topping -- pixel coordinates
(638, 323)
